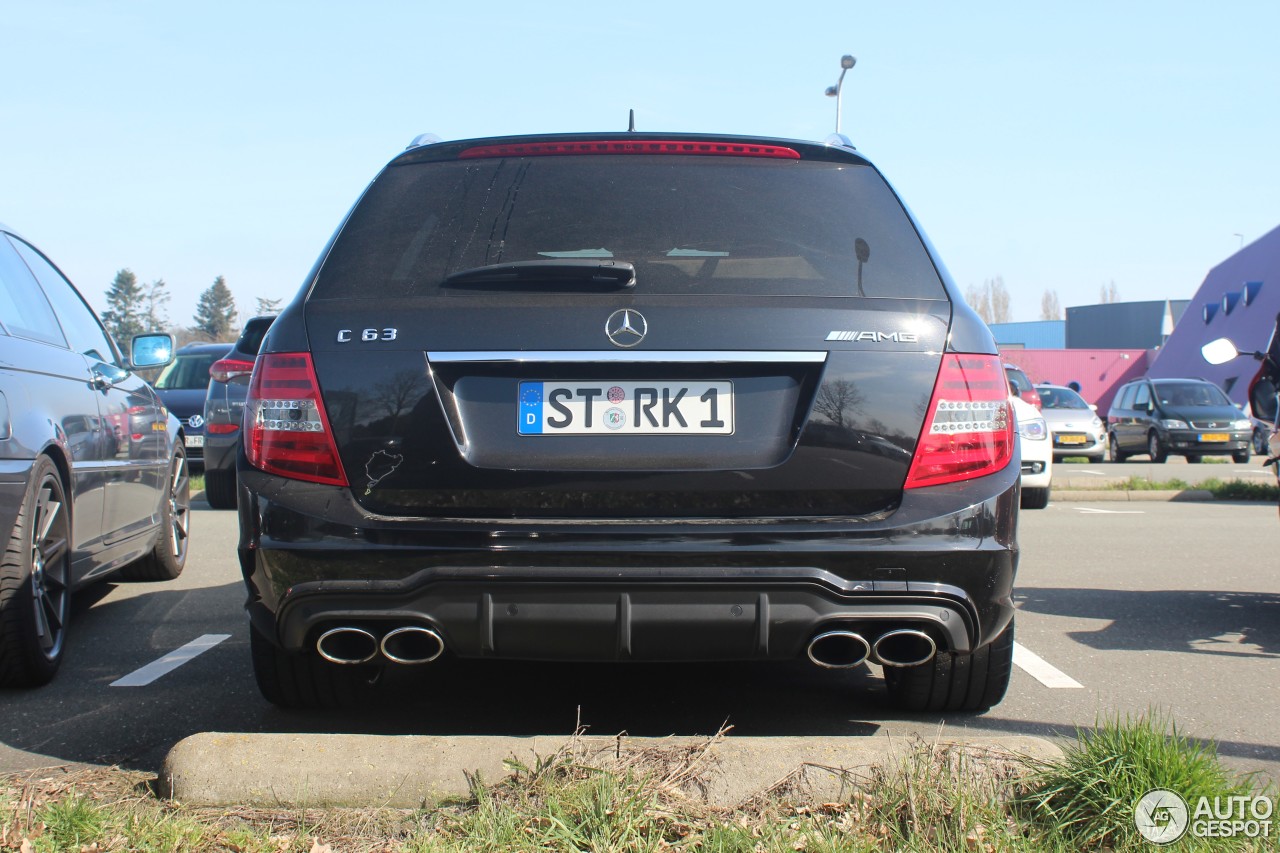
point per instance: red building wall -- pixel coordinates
(1100, 372)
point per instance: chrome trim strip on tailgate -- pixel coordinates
(619, 356)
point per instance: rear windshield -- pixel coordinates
(254, 331)
(689, 225)
(187, 373)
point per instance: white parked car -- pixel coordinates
(1074, 425)
(1037, 454)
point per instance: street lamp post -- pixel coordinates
(846, 62)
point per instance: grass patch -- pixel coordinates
(935, 797)
(1225, 490)
(197, 482)
(1086, 800)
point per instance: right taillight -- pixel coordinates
(226, 369)
(968, 430)
(286, 429)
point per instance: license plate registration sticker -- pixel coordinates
(1214, 436)
(625, 408)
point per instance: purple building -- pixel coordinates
(1239, 299)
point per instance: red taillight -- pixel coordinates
(226, 369)
(288, 431)
(1032, 396)
(221, 429)
(968, 431)
(630, 146)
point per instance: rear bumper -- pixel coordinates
(220, 451)
(944, 562)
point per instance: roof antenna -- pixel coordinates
(631, 122)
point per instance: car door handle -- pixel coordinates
(100, 381)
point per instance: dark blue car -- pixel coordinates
(182, 386)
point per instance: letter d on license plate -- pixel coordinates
(625, 408)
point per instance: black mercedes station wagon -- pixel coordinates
(630, 397)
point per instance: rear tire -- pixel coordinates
(1240, 457)
(953, 682)
(1117, 455)
(220, 489)
(1035, 498)
(1193, 458)
(301, 680)
(35, 594)
(1155, 449)
(169, 555)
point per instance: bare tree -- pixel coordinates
(1109, 293)
(837, 400)
(1050, 308)
(991, 301)
(979, 299)
(1000, 312)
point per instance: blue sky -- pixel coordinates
(1058, 146)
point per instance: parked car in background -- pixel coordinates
(1026, 391)
(224, 410)
(1185, 417)
(1074, 425)
(183, 386)
(630, 397)
(1036, 454)
(93, 474)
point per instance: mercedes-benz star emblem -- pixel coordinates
(626, 327)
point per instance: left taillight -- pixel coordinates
(969, 430)
(287, 431)
(226, 369)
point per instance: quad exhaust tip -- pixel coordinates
(409, 645)
(838, 649)
(347, 645)
(412, 645)
(904, 647)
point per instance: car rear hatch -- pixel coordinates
(639, 329)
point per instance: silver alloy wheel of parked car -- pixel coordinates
(34, 584)
(1154, 448)
(1114, 445)
(169, 556)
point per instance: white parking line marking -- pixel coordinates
(1089, 509)
(1036, 667)
(1087, 471)
(170, 662)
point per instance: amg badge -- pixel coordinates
(875, 337)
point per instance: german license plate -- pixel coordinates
(1071, 439)
(1214, 436)
(625, 408)
(194, 440)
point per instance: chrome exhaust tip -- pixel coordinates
(838, 650)
(412, 645)
(347, 645)
(904, 647)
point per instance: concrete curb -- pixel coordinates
(1139, 495)
(297, 770)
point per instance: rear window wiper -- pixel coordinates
(560, 273)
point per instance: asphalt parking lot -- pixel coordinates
(1123, 608)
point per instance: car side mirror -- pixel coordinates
(1219, 351)
(1013, 390)
(1093, 406)
(151, 351)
